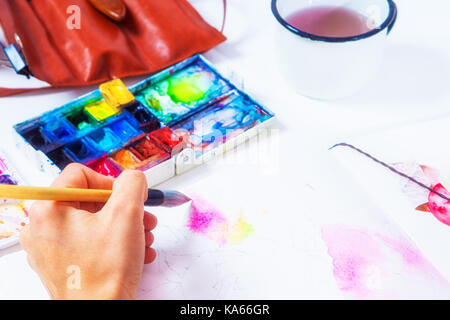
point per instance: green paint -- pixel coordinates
(185, 89)
(83, 125)
(153, 103)
(241, 230)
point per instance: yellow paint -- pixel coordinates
(125, 159)
(100, 110)
(240, 230)
(116, 93)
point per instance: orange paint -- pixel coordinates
(126, 159)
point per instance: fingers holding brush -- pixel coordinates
(150, 255)
(150, 222)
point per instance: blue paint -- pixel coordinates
(221, 121)
(124, 130)
(82, 151)
(147, 121)
(105, 140)
(58, 129)
(36, 136)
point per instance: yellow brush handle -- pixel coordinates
(56, 194)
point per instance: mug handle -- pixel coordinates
(394, 16)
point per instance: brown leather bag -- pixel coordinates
(154, 34)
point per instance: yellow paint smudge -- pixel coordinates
(240, 230)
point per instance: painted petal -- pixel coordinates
(415, 194)
(432, 174)
(438, 206)
(423, 208)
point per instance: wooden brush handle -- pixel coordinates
(56, 194)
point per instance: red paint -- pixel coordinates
(146, 149)
(167, 138)
(105, 167)
(438, 206)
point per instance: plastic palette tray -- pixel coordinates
(164, 125)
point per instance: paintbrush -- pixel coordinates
(155, 197)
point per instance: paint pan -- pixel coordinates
(147, 121)
(82, 151)
(146, 149)
(126, 159)
(60, 158)
(115, 93)
(125, 130)
(80, 119)
(100, 110)
(36, 136)
(167, 139)
(106, 166)
(58, 129)
(105, 140)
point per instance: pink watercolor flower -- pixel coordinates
(438, 206)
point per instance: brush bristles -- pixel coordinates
(174, 199)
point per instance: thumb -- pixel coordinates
(128, 196)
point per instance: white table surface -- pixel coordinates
(411, 87)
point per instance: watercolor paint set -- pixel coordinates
(13, 213)
(164, 125)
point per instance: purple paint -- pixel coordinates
(7, 179)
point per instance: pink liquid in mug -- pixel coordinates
(329, 21)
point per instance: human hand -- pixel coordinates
(92, 250)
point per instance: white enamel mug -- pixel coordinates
(332, 67)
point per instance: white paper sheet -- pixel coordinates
(407, 148)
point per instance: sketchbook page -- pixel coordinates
(420, 152)
(272, 235)
(237, 240)
(370, 256)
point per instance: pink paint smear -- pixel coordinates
(368, 265)
(207, 220)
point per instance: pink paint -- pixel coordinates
(368, 264)
(207, 220)
(3, 166)
(355, 257)
(439, 207)
(203, 216)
